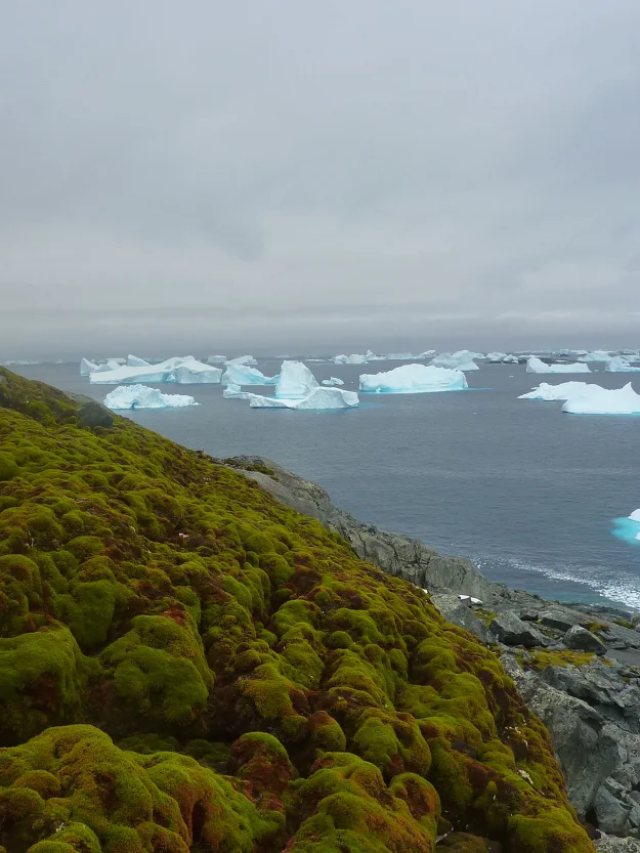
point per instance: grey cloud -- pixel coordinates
(285, 174)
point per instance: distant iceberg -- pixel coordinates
(143, 397)
(536, 365)
(247, 360)
(182, 370)
(618, 364)
(460, 360)
(501, 358)
(413, 379)
(555, 393)
(598, 355)
(295, 381)
(242, 374)
(320, 399)
(134, 361)
(354, 358)
(333, 381)
(217, 359)
(235, 392)
(595, 400)
(87, 367)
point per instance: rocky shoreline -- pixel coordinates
(577, 666)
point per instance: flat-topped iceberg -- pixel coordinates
(598, 355)
(536, 365)
(320, 399)
(460, 360)
(143, 397)
(354, 358)
(182, 370)
(595, 400)
(619, 364)
(413, 379)
(235, 392)
(217, 359)
(555, 393)
(333, 380)
(295, 381)
(242, 374)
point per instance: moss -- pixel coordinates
(231, 635)
(543, 659)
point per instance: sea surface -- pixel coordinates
(526, 492)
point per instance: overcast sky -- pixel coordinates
(287, 174)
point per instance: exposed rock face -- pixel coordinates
(617, 845)
(93, 414)
(512, 631)
(396, 555)
(460, 613)
(581, 639)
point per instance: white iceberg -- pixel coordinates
(635, 515)
(554, 393)
(413, 379)
(597, 355)
(182, 370)
(243, 374)
(217, 359)
(318, 400)
(143, 397)
(295, 381)
(595, 400)
(333, 380)
(240, 360)
(354, 358)
(134, 361)
(428, 353)
(495, 357)
(235, 392)
(87, 367)
(460, 360)
(619, 364)
(536, 365)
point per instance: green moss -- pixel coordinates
(543, 659)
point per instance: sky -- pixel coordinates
(288, 175)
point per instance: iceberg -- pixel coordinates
(595, 400)
(242, 360)
(333, 381)
(134, 361)
(217, 359)
(242, 374)
(554, 393)
(235, 392)
(460, 360)
(319, 399)
(635, 515)
(182, 370)
(87, 367)
(495, 357)
(295, 381)
(536, 365)
(413, 379)
(354, 358)
(596, 355)
(618, 364)
(143, 397)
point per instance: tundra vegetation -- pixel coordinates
(186, 664)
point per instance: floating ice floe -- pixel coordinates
(598, 355)
(333, 380)
(460, 360)
(242, 374)
(235, 392)
(143, 397)
(134, 361)
(554, 393)
(413, 379)
(595, 400)
(536, 365)
(182, 370)
(619, 364)
(319, 399)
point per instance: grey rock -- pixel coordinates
(460, 613)
(581, 639)
(396, 555)
(634, 815)
(512, 631)
(559, 619)
(617, 845)
(93, 414)
(611, 814)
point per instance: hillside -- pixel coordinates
(187, 664)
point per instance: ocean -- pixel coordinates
(529, 494)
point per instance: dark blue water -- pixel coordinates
(529, 493)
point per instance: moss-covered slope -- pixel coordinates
(186, 664)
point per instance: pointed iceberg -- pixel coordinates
(413, 379)
(143, 397)
(295, 381)
(134, 361)
(242, 374)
